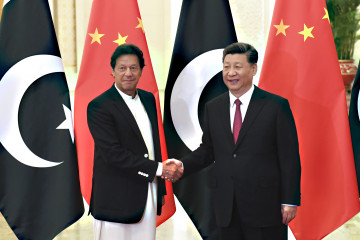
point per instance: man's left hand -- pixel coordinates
(288, 213)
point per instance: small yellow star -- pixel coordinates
(326, 16)
(281, 28)
(96, 36)
(120, 40)
(140, 24)
(307, 32)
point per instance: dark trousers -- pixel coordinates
(238, 231)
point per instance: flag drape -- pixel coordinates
(205, 28)
(39, 179)
(111, 24)
(301, 65)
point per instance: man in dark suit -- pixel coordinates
(250, 137)
(127, 190)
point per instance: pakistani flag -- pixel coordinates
(39, 181)
(354, 118)
(205, 29)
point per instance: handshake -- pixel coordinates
(172, 170)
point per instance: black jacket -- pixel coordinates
(261, 171)
(122, 169)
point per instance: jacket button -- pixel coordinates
(234, 155)
(146, 155)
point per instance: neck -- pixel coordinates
(131, 93)
(241, 92)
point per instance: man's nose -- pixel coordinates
(128, 71)
(232, 72)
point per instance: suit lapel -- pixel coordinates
(149, 108)
(124, 110)
(224, 115)
(253, 111)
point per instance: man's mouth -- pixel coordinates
(233, 80)
(128, 80)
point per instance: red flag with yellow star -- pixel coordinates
(111, 24)
(301, 65)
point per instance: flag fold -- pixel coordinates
(205, 28)
(354, 118)
(301, 65)
(39, 180)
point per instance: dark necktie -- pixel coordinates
(237, 120)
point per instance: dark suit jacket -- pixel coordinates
(261, 171)
(122, 169)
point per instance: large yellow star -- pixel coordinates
(281, 28)
(307, 32)
(96, 36)
(326, 16)
(140, 24)
(120, 40)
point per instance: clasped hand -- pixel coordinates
(172, 170)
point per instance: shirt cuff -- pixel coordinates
(159, 170)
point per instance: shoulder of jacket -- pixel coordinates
(269, 95)
(219, 99)
(103, 97)
(144, 93)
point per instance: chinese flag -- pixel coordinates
(111, 24)
(301, 65)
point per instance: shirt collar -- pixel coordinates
(125, 96)
(245, 98)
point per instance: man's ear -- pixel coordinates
(254, 69)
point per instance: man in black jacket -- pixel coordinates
(127, 190)
(250, 137)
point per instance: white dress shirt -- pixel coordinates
(140, 115)
(245, 100)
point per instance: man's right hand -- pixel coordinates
(172, 170)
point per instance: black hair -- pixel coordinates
(242, 48)
(126, 49)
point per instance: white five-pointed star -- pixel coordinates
(67, 123)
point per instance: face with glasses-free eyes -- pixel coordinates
(127, 73)
(238, 73)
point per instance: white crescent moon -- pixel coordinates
(13, 86)
(5, 2)
(186, 93)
